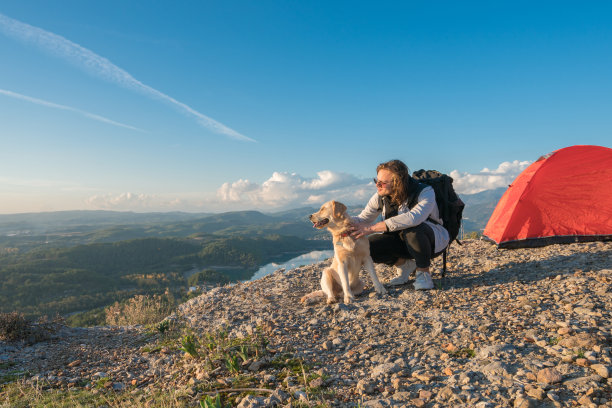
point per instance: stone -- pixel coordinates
(384, 369)
(524, 402)
(496, 368)
(549, 376)
(251, 401)
(74, 363)
(601, 370)
(316, 383)
(425, 395)
(365, 387)
(418, 402)
(256, 365)
(536, 393)
(580, 340)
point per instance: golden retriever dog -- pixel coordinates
(350, 254)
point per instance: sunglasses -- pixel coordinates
(380, 183)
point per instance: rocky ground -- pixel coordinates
(519, 328)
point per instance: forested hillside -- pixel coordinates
(80, 278)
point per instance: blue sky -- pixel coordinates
(216, 106)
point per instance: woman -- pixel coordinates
(412, 231)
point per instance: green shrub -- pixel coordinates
(207, 276)
(13, 326)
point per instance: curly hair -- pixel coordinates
(400, 182)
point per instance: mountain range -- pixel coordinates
(66, 228)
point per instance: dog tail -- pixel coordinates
(313, 297)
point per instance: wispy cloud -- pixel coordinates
(102, 68)
(67, 108)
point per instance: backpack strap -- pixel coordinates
(415, 195)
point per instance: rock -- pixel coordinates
(601, 370)
(251, 401)
(300, 396)
(74, 363)
(445, 393)
(426, 377)
(523, 402)
(365, 387)
(425, 395)
(418, 402)
(549, 376)
(118, 387)
(384, 369)
(316, 383)
(580, 340)
(536, 393)
(256, 365)
(496, 368)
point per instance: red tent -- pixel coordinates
(565, 196)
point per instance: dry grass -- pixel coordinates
(141, 309)
(15, 327)
(21, 395)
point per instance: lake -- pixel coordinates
(305, 259)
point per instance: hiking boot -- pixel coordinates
(403, 273)
(423, 281)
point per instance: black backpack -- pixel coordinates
(450, 205)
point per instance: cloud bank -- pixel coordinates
(131, 202)
(486, 179)
(101, 67)
(67, 108)
(285, 190)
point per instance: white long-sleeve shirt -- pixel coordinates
(425, 208)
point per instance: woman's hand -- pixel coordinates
(362, 230)
(359, 230)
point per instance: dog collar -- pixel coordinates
(345, 234)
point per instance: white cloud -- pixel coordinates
(286, 190)
(101, 67)
(487, 179)
(130, 201)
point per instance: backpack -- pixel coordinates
(450, 205)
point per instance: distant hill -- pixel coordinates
(58, 220)
(479, 207)
(66, 228)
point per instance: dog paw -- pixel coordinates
(381, 290)
(349, 299)
(331, 301)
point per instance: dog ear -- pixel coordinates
(338, 209)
